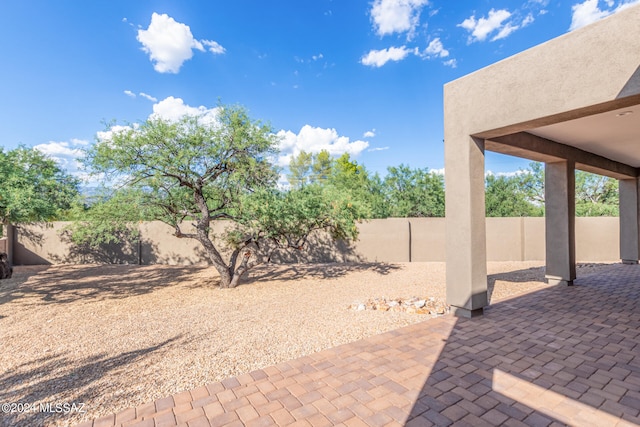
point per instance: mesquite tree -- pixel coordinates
(33, 188)
(197, 170)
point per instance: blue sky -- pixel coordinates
(363, 77)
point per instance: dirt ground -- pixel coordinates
(111, 337)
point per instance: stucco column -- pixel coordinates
(560, 213)
(465, 224)
(629, 220)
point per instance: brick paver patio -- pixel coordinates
(561, 356)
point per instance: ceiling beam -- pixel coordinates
(529, 146)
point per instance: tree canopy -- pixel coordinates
(33, 187)
(414, 192)
(507, 197)
(197, 170)
(595, 195)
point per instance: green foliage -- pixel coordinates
(414, 192)
(192, 168)
(342, 176)
(111, 218)
(33, 187)
(199, 170)
(288, 218)
(531, 182)
(307, 168)
(596, 195)
(300, 170)
(404, 192)
(376, 195)
(322, 166)
(505, 197)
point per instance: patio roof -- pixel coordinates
(573, 103)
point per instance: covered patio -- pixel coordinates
(572, 103)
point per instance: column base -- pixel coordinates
(554, 281)
(466, 313)
(630, 261)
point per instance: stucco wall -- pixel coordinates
(384, 240)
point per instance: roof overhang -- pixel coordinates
(574, 98)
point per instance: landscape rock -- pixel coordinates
(414, 305)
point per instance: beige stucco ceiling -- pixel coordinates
(613, 134)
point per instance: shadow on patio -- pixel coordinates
(568, 355)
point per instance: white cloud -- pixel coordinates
(529, 19)
(481, 28)
(283, 182)
(149, 97)
(129, 93)
(106, 135)
(170, 108)
(396, 16)
(586, 13)
(310, 139)
(451, 63)
(76, 141)
(377, 149)
(174, 109)
(170, 43)
(65, 154)
(505, 32)
(438, 171)
(435, 49)
(214, 47)
(370, 133)
(377, 58)
(507, 174)
(313, 58)
(313, 140)
(58, 149)
(589, 11)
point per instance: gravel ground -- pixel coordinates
(113, 336)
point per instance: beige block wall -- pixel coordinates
(505, 239)
(597, 239)
(428, 239)
(46, 244)
(534, 248)
(382, 240)
(159, 245)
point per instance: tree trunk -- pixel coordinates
(226, 276)
(244, 267)
(5, 269)
(9, 230)
(202, 235)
